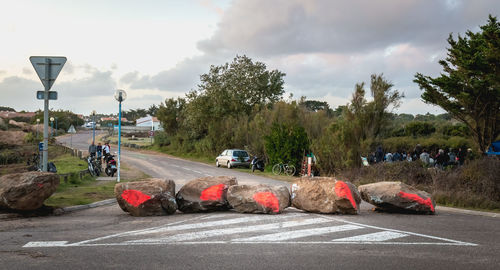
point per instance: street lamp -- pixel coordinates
(37, 123)
(52, 125)
(120, 95)
(93, 127)
(56, 126)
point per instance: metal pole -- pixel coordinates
(56, 126)
(52, 129)
(119, 137)
(93, 126)
(45, 157)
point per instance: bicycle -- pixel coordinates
(286, 168)
(93, 168)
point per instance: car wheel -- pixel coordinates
(229, 165)
(217, 163)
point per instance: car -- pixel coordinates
(233, 158)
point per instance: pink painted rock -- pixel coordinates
(262, 199)
(205, 194)
(149, 197)
(397, 196)
(325, 195)
(26, 191)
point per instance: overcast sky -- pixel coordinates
(156, 49)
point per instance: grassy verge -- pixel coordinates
(67, 163)
(88, 190)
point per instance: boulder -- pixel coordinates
(205, 194)
(26, 191)
(258, 199)
(325, 195)
(149, 197)
(397, 196)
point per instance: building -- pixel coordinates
(148, 121)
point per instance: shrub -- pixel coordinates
(161, 139)
(286, 143)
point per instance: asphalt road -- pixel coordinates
(106, 237)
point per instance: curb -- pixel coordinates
(68, 209)
(467, 212)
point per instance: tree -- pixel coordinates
(469, 86)
(9, 109)
(170, 113)
(286, 143)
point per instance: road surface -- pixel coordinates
(106, 237)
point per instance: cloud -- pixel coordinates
(20, 93)
(293, 26)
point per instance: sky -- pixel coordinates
(157, 49)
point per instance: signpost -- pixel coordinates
(47, 68)
(71, 131)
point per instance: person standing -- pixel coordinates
(92, 150)
(425, 158)
(106, 151)
(99, 152)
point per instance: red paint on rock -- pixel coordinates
(343, 191)
(416, 198)
(213, 193)
(268, 200)
(40, 185)
(135, 197)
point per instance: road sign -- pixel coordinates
(151, 133)
(41, 95)
(40, 146)
(71, 129)
(54, 64)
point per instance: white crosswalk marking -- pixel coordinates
(213, 224)
(282, 236)
(292, 228)
(229, 231)
(372, 237)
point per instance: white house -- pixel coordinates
(148, 121)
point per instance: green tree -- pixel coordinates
(286, 143)
(170, 114)
(417, 128)
(64, 119)
(9, 109)
(469, 86)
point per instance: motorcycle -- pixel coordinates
(110, 166)
(257, 163)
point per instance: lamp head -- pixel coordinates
(120, 95)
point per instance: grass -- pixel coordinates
(88, 190)
(138, 141)
(68, 164)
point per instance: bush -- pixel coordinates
(161, 139)
(286, 144)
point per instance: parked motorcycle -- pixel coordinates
(257, 163)
(110, 165)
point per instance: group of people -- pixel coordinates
(99, 150)
(440, 159)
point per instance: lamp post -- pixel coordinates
(93, 127)
(52, 126)
(56, 126)
(37, 123)
(120, 95)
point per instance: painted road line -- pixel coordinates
(215, 223)
(372, 237)
(399, 231)
(283, 236)
(230, 231)
(174, 227)
(46, 244)
(122, 234)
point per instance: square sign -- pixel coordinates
(41, 95)
(47, 68)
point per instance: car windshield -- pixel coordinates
(240, 154)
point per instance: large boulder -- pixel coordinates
(26, 191)
(258, 199)
(205, 194)
(397, 196)
(150, 197)
(325, 195)
(22, 125)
